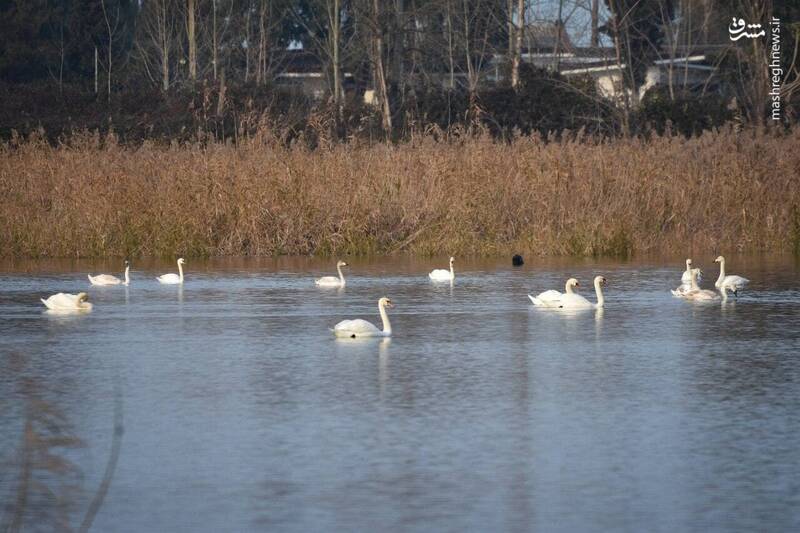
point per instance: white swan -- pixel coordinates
(686, 286)
(732, 283)
(576, 301)
(333, 281)
(696, 293)
(552, 297)
(108, 279)
(441, 274)
(173, 279)
(686, 278)
(68, 302)
(361, 328)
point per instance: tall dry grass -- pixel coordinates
(93, 197)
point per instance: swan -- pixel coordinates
(68, 302)
(173, 279)
(108, 279)
(440, 274)
(576, 301)
(333, 281)
(696, 293)
(552, 297)
(732, 283)
(362, 328)
(686, 278)
(686, 286)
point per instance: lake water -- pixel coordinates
(239, 411)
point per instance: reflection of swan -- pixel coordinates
(552, 297)
(172, 279)
(732, 283)
(576, 301)
(696, 293)
(333, 281)
(108, 279)
(68, 302)
(441, 274)
(361, 328)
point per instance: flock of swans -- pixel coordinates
(569, 299)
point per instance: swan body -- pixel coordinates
(696, 293)
(362, 328)
(576, 301)
(686, 287)
(67, 302)
(552, 298)
(440, 274)
(107, 279)
(686, 277)
(731, 283)
(332, 281)
(173, 279)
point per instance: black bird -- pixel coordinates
(517, 260)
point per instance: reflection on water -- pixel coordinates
(243, 412)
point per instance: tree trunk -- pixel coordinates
(595, 38)
(380, 72)
(518, 43)
(190, 28)
(214, 53)
(334, 18)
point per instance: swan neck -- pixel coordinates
(568, 288)
(695, 286)
(127, 275)
(721, 271)
(387, 327)
(452, 272)
(180, 272)
(341, 276)
(599, 291)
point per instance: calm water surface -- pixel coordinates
(241, 412)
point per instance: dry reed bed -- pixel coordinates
(721, 191)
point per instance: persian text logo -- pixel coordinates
(738, 27)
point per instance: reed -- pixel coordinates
(90, 196)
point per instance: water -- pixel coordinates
(241, 412)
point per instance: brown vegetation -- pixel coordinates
(466, 195)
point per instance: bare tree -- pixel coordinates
(155, 39)
(191, 35)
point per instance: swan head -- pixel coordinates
(688, 263)
(341, 264)
(385, 302)
(452, 259)
(719, 259)
(181, 261)
(127, 263)
(572, 282)
(600, 280)
(81, 299)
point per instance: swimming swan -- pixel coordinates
(362, 328)
(68, 302)
(576, 301)
(696, 293)
(441, 274)
(686, 278)
(732, 283)
(552, 297)
(333, 281)
(108, 279)
(173, 279)
(686, 286)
